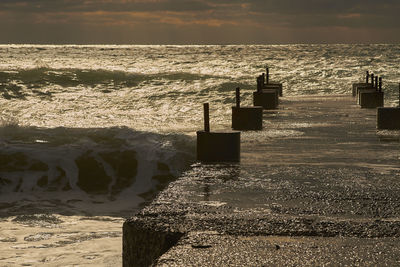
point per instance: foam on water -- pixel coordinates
(88, 165)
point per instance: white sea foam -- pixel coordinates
(95, 165)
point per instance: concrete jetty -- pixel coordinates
(320, 185)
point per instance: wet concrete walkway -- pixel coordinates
(318, 186)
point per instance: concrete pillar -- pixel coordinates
(372, 99)
(362, 85)
(246, 118)
(266, 98)
(363, 90)
(274, 86)
(357, 86)
(217, 146)
(388, 118)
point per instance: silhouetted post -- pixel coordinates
(372, 80)
(388, 118)
(246, 118)
(238, 97)
(367, 77)
(263, 79)
(372, 97)
(267, 75)
(259, 85)
(217, 146)
(206, 118)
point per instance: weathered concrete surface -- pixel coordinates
(319, 181)
(212, 249)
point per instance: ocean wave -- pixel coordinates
(101, 161)
(71, 77)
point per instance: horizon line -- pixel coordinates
(194, 44)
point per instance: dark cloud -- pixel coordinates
(328, 13)
(199, 21)
(324, 7)
(101, 5)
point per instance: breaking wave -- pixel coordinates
(77, 164)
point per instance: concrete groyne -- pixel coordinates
(319, 178)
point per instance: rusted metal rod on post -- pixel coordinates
(206, 117)
(372, 80)
(259, 83)
(238, 97)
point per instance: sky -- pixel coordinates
(199, 21)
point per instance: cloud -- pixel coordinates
(41, 6)
(287, 20)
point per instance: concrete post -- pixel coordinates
(376, 83)
(380, 84)
(367, 77)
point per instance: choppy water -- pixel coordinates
(116, 123)
(92, 131)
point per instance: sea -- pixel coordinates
(89, 134)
